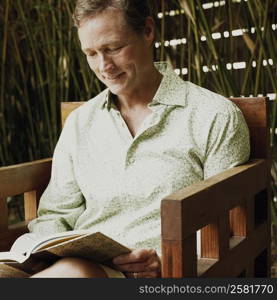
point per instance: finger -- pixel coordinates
(137, 255)
(153, 263)
(153, 255)
(154, 266)
(134, 267)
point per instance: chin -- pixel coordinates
(120, 87)
(117, 90)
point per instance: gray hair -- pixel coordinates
(136, 11)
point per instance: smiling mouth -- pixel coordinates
(113, 78)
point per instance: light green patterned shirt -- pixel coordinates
(104, 179)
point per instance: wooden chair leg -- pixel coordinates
(4, 215)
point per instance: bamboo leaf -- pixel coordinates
(249, 43)
(185, 5)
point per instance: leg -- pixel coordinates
(72, 267)
(7, 271)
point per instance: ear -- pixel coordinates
(149, 30)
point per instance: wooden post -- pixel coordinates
(31, 200)
(215, 239)
(179, 257)
(4, 215)
(238, 221)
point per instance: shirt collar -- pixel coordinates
(172, 89)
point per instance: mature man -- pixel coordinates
(147, 135)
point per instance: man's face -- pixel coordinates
(118, 56)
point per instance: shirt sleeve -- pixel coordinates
(62, 202)
(228, 142)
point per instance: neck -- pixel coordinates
(142, 96)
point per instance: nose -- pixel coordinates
(106, 64)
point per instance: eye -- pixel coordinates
(114, 49)
(91, 54)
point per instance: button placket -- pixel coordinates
(130, 154)
(125, 130)
(153, 119)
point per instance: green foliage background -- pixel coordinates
(42, 65)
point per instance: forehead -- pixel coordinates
(105, 27)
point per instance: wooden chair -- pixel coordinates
(232, 209)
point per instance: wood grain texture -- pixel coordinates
(242, 218)
(4, 215)
(179, 258)
(25, 177)
(256, 114)
(31, 201)
(240, 257)
(215, 238)
(238, 217)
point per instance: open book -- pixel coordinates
(91, 245)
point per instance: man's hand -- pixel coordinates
(143, 263)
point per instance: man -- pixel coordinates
(147, 135)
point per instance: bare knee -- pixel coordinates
(73, 267)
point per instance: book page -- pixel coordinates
(24, 243)
(95, 246)
(54, 241)
(10, 257)
(86, 244)
(56, 238)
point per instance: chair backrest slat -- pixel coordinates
(67, 108)
(256, 112)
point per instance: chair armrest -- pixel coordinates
(221, 192)
(25, 177)
(207, 202)
(29, 179)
